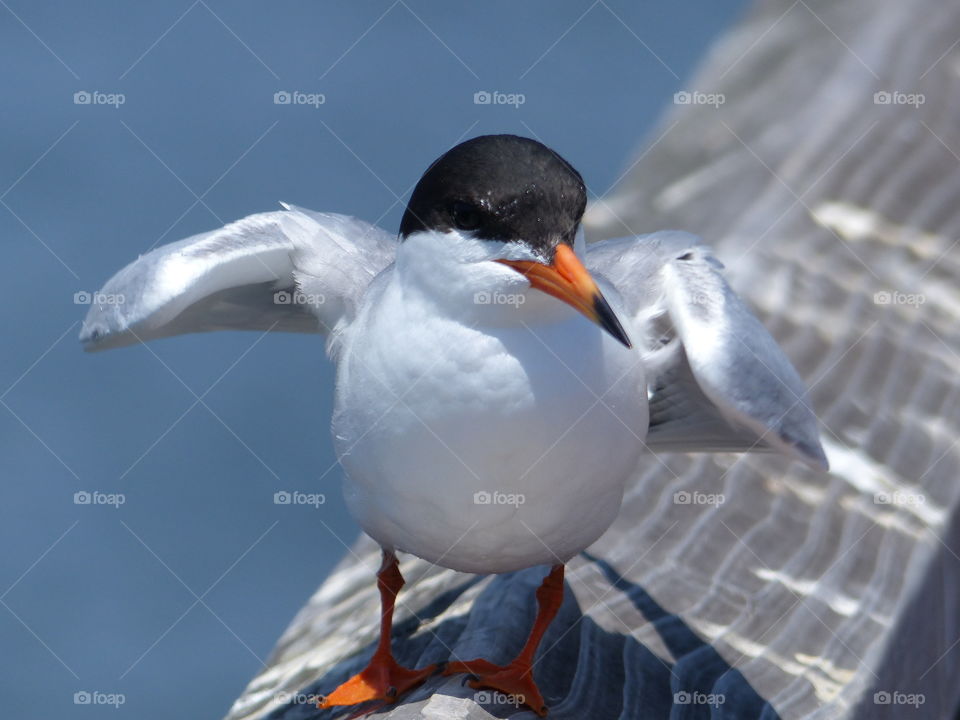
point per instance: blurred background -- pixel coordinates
(146, 564)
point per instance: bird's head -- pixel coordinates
(521, 195)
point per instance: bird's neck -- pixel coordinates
(461, 279)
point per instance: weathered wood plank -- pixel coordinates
(799, 595)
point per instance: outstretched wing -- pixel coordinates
(292, 270)
(717, 379)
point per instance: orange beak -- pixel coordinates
(568, 280)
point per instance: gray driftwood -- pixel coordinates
(801, 595)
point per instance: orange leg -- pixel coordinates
(516, 678)
(384, 678)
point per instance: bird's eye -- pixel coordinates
(466, 216)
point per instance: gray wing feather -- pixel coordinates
(717, 379)
(290, 270)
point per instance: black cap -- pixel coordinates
(500, 187)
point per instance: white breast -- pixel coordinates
(484, 446)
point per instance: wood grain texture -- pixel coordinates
(799, 595)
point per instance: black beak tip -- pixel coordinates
(609, 322)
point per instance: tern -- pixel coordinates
(497, 378)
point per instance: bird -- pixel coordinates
(498, 379)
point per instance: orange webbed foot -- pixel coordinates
(515, 681)
(383, 679)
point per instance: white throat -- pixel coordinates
(460, 275)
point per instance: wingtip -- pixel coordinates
(99, 337)
(89, 339)
(813, 456)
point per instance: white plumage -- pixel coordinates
(483, 425)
